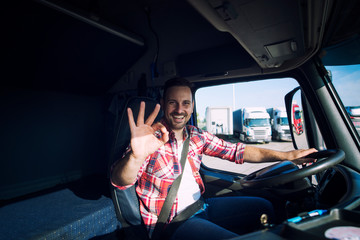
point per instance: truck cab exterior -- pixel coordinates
(297, 119)
(252, 124)
(354, 113)
(279, 124)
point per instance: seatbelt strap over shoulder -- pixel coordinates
(170, 198)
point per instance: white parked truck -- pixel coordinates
(219, 120)
(252, 124)
(279, 124)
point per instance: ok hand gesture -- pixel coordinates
(143, 141)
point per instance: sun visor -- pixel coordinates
(345, 53)
(215, 61)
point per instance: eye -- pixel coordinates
(187, 103)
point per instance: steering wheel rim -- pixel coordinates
(328, 158)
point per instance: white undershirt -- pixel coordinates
(189, 191)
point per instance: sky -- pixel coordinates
(346, 80)
(270, 93)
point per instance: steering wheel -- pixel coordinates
(286, 171)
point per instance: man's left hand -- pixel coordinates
(300, 156)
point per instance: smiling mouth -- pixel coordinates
(178, 118)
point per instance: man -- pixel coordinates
(153, 162)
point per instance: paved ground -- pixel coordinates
(246, 168)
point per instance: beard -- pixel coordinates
(177, 121)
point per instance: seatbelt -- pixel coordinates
(183, 216)
(170, 198)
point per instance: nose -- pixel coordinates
(178, 108)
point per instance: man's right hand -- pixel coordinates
(143, 143)
(143, 140)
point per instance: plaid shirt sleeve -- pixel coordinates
(217, 147)
(128, 149)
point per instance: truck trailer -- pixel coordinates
(252, 124)
(219, 120)
(279, 124)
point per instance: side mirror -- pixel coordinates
(293, 103)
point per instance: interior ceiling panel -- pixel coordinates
(273, 35)
(50, 50)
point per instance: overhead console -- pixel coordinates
(274, 33)
(216, 62)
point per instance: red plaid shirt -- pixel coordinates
(162, 167)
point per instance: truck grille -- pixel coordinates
(287, 131)
(356, 121)
(259, 132)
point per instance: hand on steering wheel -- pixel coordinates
(286, 171)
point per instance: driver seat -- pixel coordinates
(126, 202)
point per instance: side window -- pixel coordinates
(251, 112)
(346, 80)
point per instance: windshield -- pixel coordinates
(353, 111)
(284, 121)
(346, 79)
(258, 122)
(297, 114)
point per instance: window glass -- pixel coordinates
(221, 108)
(346, 80)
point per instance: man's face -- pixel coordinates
(178, 106)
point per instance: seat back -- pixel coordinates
(126, 201)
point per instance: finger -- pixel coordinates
(302, 161)
(158, 126)
(307, 154)
(164, 132)
(165, 135)
(153, 115)
(131, 119)
(308, 160)
(303, 157)
(311, 150)
(140, 119)
(303, 153)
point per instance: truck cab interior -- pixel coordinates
(70, 68)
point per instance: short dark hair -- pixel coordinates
(175, 82)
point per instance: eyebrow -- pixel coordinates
(171, 99)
